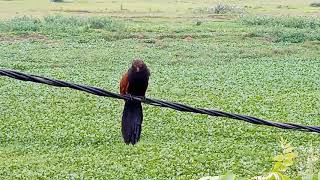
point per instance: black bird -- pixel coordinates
(135, 83)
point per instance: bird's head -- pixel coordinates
(138, 65)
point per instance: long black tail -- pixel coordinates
(132, 117)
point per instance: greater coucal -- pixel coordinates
(135, 83)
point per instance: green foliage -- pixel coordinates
(290, 36)
(290, 21)
(104, 23)
(24, 23)
(72, 23)
(69, 21)
(283, 29)
(282, 163)
(60, 24)
(57, 133)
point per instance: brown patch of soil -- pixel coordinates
(25, 37)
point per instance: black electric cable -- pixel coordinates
(155, 102)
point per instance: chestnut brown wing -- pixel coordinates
(124, 84)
